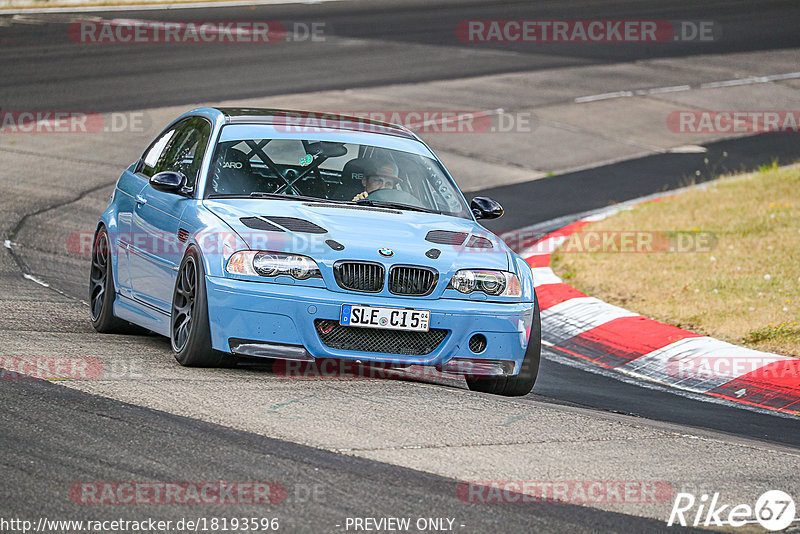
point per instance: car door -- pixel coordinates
(129, 186)
(156, 251)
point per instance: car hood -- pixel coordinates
(362, 231)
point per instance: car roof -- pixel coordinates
(312, 120)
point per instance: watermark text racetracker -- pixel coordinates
(169, 245)
(760, 367)
(427, 121)
(734, 121)
(615, 242)
(69, 368)
(571, 491)
(133, 31)
(72, 122)
(218, 492)
(336, 369)
(587, 31)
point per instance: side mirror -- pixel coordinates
(169, 182)
(486, 208)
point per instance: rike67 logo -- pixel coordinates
(774, 510)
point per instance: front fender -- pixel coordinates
(215, 240)
(525, 275)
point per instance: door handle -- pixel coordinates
(141, 200)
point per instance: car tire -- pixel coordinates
(102, 291)
(522, 383)
(189, 330)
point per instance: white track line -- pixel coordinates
(677, 88)
(34, 279)
(603, 96)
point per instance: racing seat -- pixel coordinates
(233, 174)
(352, 172)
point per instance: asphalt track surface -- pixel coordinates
(46, 426)
(370, 43)
(95, 438)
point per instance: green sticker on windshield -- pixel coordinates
(306, 160)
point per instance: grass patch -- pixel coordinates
(738, 281)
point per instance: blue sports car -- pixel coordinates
(292, 236)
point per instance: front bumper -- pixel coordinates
(285, 315)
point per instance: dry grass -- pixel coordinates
(745, 290)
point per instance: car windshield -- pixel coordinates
(328, 171)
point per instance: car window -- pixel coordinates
(181, 149)
(155, 152)
(327, 169)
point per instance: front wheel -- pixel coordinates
(520, 384)
(189, 331)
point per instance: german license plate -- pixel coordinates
(388, 318)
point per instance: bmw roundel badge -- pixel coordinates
(387, 252)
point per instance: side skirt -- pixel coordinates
(141, 314)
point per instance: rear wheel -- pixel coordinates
(190, 333)
(101, 289)
(520, 384)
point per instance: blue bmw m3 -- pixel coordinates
(261, 233)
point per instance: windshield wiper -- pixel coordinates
(275, 196)
(281, 196)
(396, 205)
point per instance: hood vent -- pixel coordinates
(477, 241)
(445, 237)
(257, 223)
(433, 253)
(294, 224)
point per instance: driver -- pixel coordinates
(380, 181)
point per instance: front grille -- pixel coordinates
(336, 336)
(408, 280)
(359, 276)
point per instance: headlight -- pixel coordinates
(493, 283)
(259, 263)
